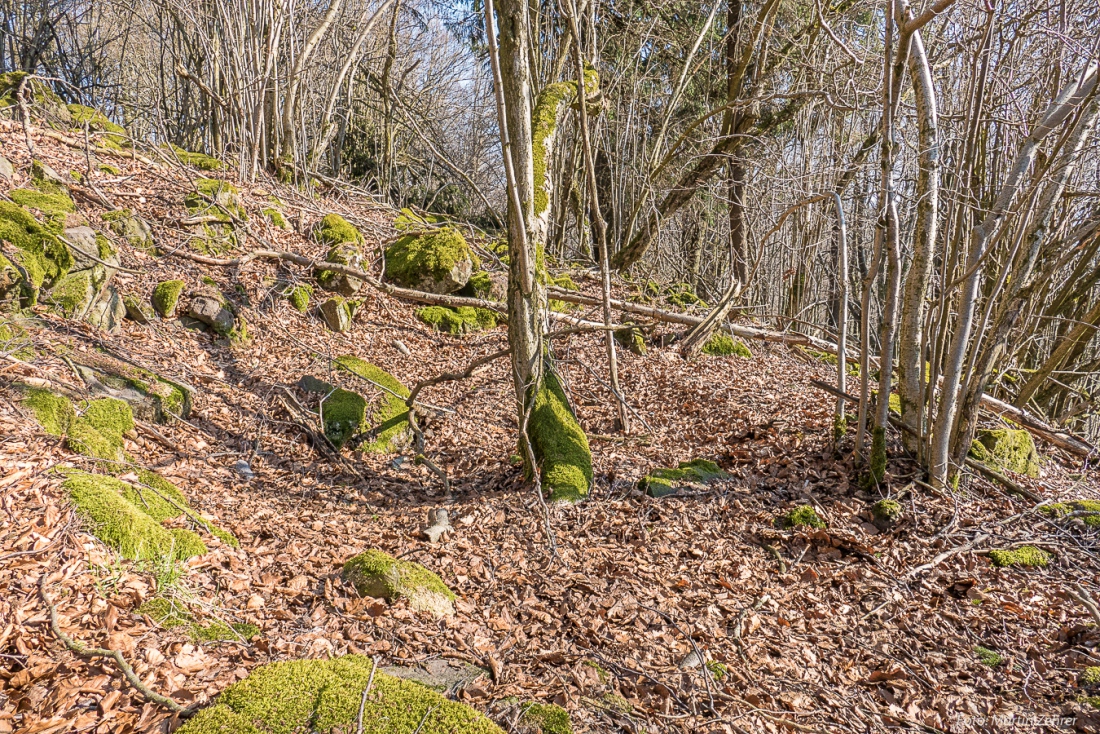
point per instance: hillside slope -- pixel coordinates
(595, 606)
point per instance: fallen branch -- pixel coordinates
(945, 555)
(81, 649)
(8, 125)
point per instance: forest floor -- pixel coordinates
(840, 629)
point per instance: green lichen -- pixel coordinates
(433, 255)
(37, 251)
(1089, 676)
(546, 718)
(166, 297)
(325, 696)
(165, 398)
(664, 481)
(460, 320)
(390, 420)
(801, 516)
(559, 444)
(37, 93)
(1061, 509)
(1007, 448)
(299, 296)
(335, 230)
(200, 161)
(101, 503)
(987, 656)
(1027, 556)
(600, 671)
(722, 344)
(378, 574)
(407, 220)
(886, 511)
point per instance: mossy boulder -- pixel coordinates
(487, 286)
(275, 217)
(150, 396)
(95, 430)
(632, 339)
(663, 482)
(166, 297)
(116, 513)
(802, 516)
(380, 575)
(137, 310)
(337, 313)
(334, 230)
(1026, 556)
(683, 295)
(324, 696)
(32, 258)
(1087, 510)
(456, 321)
(43, 101)
(348, 254)
(105, 132)
(299, 296)
(1089, 677)
(201, 161)
(132, 228)
(1007, 448)
(722, 344)
(886, 513)
(559, 444)
(217, 204)
(439, 261)
(211, 307)
(384, 422)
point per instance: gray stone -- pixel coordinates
(337, 314)
(83, 241)
(137, 310)
(7, 170)
(346, 285)
(151, 397)
(108, 311)
(211, 312)
(136, 231)
(42, 172)
(445, 676)
(308, 383)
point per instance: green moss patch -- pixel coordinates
(37, 253)
(546, 718)
(544, 123)
(1089, 676)
(1061, 509)
(215, 198)
(886, 512)
(170, 613)
(664, 481)
(275, 216)
(439, 261)
(166, 297)
(390, 420)
(632, 339)
(802, 516)
(1007, 448)
(559, 444)
(722, 344)
(1027, 556)
(683, 295)
(200, 161)
(335, 230)
(324, 696)
(55, 413)
(987, 656)
(480, 285)
(378, 574)
(299, 296)
(111, 135)
(102, 503)
(343, 414)
(97, 430)
(53, 206)
(456, 321)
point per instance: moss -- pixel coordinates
(345, 253)
(1027, 556)
(1061, 509)
(546, 718)
(299, 296)
(632, 339)
(335, 230)
(98, 431)
(460, 320)
(801, 516)
(114, 136)
(600, 671)
(480, 285)
(168, 613)
(100, 501)
(54, 206)
(559, 444)
(275, 216)
(37, 92)
(683, 295)
(378, 574)
(109, 169)
(43, 257)
(544, 121)
(1089, 676)
(215, 198)
(1007, 448)
(73, 293)
(163, 502)
(198, 160)
(877, 470)
(840, 427)
(886, 511)
(390, 420)
(239, 335)
(53, 412)
(171, 613)
(343, 414)
(987, 656)
(722, 344)
(663, 482)
(617, 703)
(433, 255)
(216, 631)
(717, 670)
(166, 297)
(325, 696)
(15, 341)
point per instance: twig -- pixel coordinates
(424, 720)
(1081, 594)
(363, 700)
(945, 555)
(81, 649)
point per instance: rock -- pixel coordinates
(211, 311)
(885, 514)
(308, 383)
(663, 482)
(135, 230)
(166, 296)
(7, 171)
(43, 100)
(337, 314)
(242, 467)
(439, 674)
(42, 173)
(436, 262)
(343, 413)
(84, 241)
(380, 575)
(137, 310)
(150, 396)
(389, 417)
(1007, 448)
(108, 311)
(438, 525)
(346, 285)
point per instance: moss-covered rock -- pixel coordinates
(683, 295)
(215, 198)
(299, 296)
(337, 313)
(631, 338)
(166, 297)
(460, 320)
(436, 262)
(55, 208)
(150, 396)
(107, 133)
(275, 216)
(802, 516)
(324, 696)
(1007, 448)
(1089, 509)
(15, 340)
(334, 230)
(489, 286)
(200, 161)
(389, 428)
(44, 102)
(1027, 556)
(722, 344)
(378, 574)
(343, 415)
(886, 513)
(132, 228)
(38, 259)
(664, 481)
(137, 310)
(545, 718)
(346, 253)
(559, 444)
(1089, 677)
(102, 503)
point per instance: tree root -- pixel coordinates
(81, 649)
